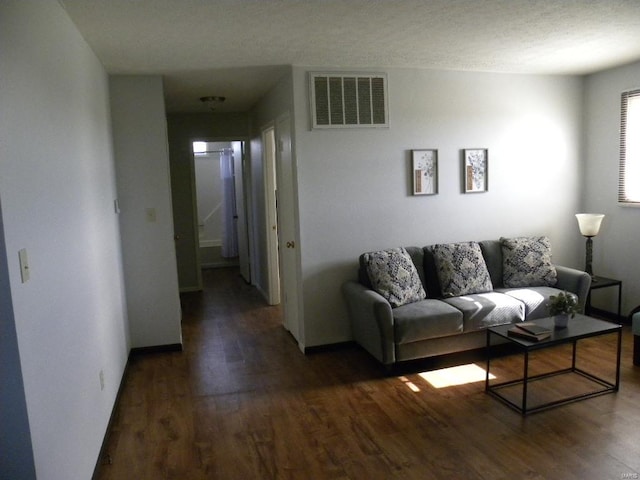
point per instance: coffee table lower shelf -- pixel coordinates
(494, 390)
(515, 393)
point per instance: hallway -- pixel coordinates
(237, 403)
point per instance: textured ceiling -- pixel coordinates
(239, 48)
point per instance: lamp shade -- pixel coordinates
(589, 223)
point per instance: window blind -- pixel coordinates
(629, 177)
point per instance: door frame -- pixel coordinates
(194, 226)
(242, 212)
(194, 199)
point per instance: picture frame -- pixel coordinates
(475, 170)
(425, 171)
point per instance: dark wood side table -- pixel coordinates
(604, 282)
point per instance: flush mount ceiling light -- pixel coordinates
(212, 101)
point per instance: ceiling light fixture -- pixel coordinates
(212, 101)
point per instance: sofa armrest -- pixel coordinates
(371, 321)
(575, 281)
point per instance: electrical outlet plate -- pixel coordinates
(24, 265)
(151, 215)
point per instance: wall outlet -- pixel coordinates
(151, 215)
(101, 375)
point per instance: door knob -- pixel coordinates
(291, 244)
(176, 237)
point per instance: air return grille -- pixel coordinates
(340, 100)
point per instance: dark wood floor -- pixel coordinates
(242, 402)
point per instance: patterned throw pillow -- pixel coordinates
(394, 276)
(461, 269)
(526, 262)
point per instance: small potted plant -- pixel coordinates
(562, 307)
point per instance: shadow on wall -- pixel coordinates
(326, 319)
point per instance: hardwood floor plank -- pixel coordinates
(241, 402)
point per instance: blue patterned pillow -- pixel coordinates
(461, 269)
(526, 262)
(394, 276)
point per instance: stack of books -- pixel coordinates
(530, 331)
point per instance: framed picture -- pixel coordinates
(425, 172)
(475, 170)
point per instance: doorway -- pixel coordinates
(220, 206)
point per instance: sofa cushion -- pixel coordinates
(535, 299)
(487, 309)
(425, 319)
(526, 262)
(461, 269)
(394, 276)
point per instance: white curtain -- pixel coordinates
(229, 217)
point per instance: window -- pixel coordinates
(629, 181)
(200, 149)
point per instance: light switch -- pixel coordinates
(24, 265)
(151, 215)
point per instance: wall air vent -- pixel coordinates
(341, 100)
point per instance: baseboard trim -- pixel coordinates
(205, 266)
(190, 289)
(172, 347)
(103, 456)
(331, 347)
(262, 292)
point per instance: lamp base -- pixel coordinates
(589, 257)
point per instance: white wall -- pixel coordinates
(57, 183)
(615, 250)
(355, 185)
(142, 165)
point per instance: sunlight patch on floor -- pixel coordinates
(460, 375)
(412, 386)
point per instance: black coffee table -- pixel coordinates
(579, 328)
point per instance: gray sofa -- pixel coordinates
(439, 323)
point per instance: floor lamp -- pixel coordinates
(589, 224)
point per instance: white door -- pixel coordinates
(271, 214)
(287, 232)
(241, 212)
